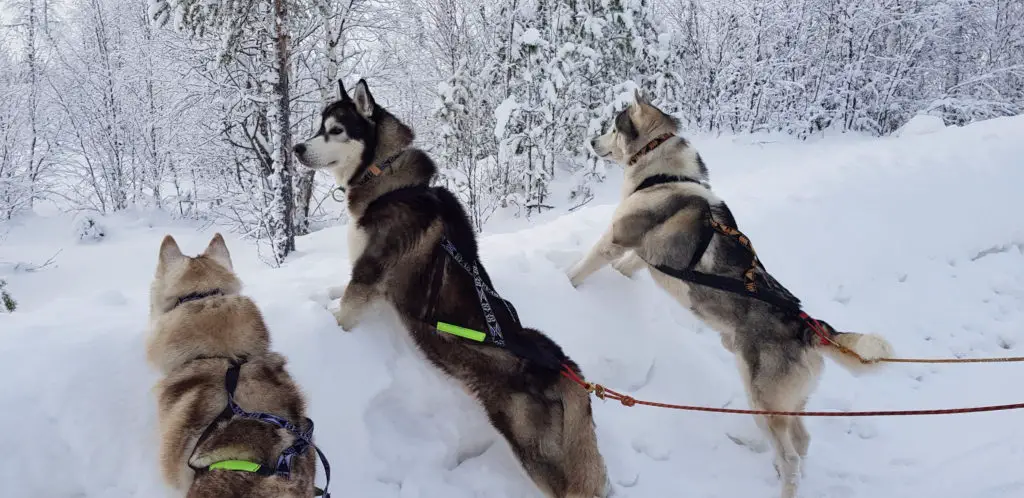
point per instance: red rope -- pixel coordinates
(605, 393)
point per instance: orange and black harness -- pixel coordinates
(750, 286)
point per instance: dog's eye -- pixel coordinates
(335, 131)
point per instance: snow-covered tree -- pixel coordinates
(110, 112)
(255, 51)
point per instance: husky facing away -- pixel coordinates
(220, 385)
(412, 245)
(669, 220)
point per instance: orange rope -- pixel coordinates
(826, 338)
(605, 393)
(1005, 359)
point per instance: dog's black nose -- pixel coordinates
(593, 142)
(300, 149)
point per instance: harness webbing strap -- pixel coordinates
(748, 286)
(230, 383)
(706, 234)
(728, 284)
(662, 179)
(482, 290)
(519, 348)
(303, 439)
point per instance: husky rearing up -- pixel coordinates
(669, 219)
(208, 341)
(397, 225)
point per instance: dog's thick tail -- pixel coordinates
(867, 347)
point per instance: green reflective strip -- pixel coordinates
(235, 465)
(473, 335)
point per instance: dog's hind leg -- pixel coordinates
(787, 460)
(584, 467)
(554, 440)
(801, 438)
(777, 385)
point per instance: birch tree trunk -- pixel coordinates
(281, 222)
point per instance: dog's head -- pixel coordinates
(178, 275)
(633, 128)
(196, 309)
(353, 131)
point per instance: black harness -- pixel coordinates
(283, 467)
(661, 179)
(495, 335)
(749, 286)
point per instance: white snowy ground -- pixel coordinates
(919, 238)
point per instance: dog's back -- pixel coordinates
(199, 328)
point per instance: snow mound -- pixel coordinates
(87, 229)
(864, 231)
(920, 124)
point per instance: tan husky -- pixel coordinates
(207, 340)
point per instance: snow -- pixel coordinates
(502, 114)
(917, 238)
(920, 124)
(531, 37)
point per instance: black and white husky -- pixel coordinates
(412, 245)
(670, 222)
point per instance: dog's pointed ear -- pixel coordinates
(363, 99)
(640, 104)
(169, 252)
(218, 251)
(639, 97)
(342, 94)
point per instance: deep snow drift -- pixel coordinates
(919, 238)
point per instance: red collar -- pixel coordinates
(653, 144)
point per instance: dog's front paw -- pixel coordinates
(345, 320)
(574, 275)
(623, 268)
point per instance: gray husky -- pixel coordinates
(670, 222)
(412, 246)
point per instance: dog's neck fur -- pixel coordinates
(674, 157)
(228, 326)
(409, 166)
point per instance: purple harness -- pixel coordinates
(303, 438)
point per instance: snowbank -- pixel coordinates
(917, 238)
(921, 124)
